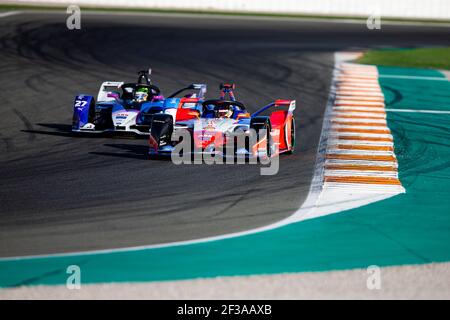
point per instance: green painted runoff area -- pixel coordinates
(411, 228)
(415, 93)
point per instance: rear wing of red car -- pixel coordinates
(200, 89)
(290, 104)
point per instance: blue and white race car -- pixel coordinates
(129, 107)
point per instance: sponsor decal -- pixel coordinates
(209, 125)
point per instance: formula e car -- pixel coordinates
(129, 107)
(222, 122)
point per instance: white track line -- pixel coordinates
(360, 121)
(418, 111)
(360, 98)
(336, 141)
(348, 103)
(362, 162)
(342, 95)
(333, 150)
(9, 13)
(355, 79)
(365, 173)
(359, 89)
(362, 115)
(362, 188)
(340, 81)
(372, 110)
(413, 77)
(358, 134)
(358, 127)
(359, 112)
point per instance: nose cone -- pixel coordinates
(204, 138)
(209, 133)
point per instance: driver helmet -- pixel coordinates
(141, 94)
(224, 113)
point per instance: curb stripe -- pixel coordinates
(347, 116)
(363, 110)
(356, 98)
(362, 162)
(360, 109)
(359, 167)
(366, 173)
(361, 119)
(359, 92)
(362, 79)
(378, 126)
(367, 180)
(357, 86)
(386, 131)
(366, 147)
(349, 85)
(361, 157)
(333, 141)
(343, 103)
(330, 150)
(359, 123)
(360, 147)
(364, 138)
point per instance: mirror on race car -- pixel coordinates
(113, 95)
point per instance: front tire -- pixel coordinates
(161, 129)
(259, 124)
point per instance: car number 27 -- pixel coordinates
(80, 103)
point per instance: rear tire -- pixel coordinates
(292, 150)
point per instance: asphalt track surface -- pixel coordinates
(60, 193)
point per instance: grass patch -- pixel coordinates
(435, 58)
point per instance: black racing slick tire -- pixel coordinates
(292, 133)
(161, 129)
(262, 127)
(102, 118)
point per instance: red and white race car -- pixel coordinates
(224, 127)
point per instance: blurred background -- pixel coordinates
(406, 9)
